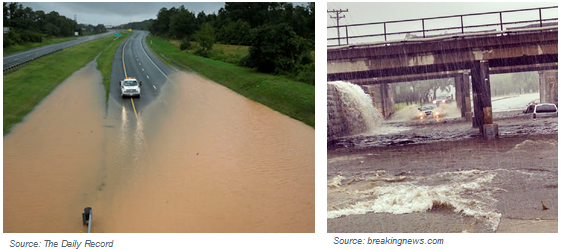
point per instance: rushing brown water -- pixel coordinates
(201, 159)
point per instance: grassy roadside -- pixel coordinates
(226, 52)
(233, 53)
(21, 47)
(25, 88)
(289, 97)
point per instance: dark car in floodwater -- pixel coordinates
(539, 110)
(442, 99)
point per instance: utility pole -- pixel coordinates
(337, 17)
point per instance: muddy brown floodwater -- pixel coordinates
(52, 158)
(200, 159)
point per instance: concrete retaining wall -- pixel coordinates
(337, 124)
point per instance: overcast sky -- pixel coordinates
(117, 13)
(379, 12)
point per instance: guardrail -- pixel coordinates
(15, 67)
(463, 28)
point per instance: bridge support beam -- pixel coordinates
(458, 93)
(462, 94)
(548, 86)
(466, 93)
(482, 94)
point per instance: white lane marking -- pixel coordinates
(142, 69)
(154, 86)
(140, 42)
(139, 63)
(147, 77)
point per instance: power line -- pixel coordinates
(337, 17)
(356, 30)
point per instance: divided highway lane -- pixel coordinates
(139, 62)
(129, 147)
(22, 56)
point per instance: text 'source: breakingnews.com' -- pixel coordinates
(387, 241)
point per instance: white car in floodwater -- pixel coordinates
(130, 87)
(428, 110)
(538, 110)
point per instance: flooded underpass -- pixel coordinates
(468, 185)
(448, 129)
(440, 175)
(200, 158)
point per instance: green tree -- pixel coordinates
(255, 13)
(182, 24)
(277, 48)
(238, 32)
(162, 24)
(206, 38)
(441, 84)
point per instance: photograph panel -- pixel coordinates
(442, 117)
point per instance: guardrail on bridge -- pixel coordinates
(461, 29)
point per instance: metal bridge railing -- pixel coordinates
(462, 28)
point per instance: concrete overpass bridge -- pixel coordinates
(530, 45)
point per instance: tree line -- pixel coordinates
(27, 25)
(424, 91)
(514, 83)
(280, 35)
(235, 21)
(143, 25)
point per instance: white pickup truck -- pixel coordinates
(130, 87)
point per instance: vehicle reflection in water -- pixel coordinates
(123, 132)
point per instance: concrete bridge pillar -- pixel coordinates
(548, 86)
(458, 93)
(482, 94)
(462, 94)
(465, 86)
(542, 86)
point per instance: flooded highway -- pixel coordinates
(52, 159)
(199, 158)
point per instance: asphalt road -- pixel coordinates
(140, 62)
(19, 57)
(514, 103)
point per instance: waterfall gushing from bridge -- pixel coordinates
(358, 108)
